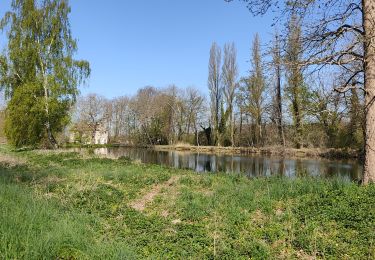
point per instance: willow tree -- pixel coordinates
(339, 33)
(38, 70)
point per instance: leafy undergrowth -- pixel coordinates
(70, 206)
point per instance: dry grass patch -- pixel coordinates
(11, 161)
(141, 203)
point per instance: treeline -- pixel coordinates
(283, 99)
(175, 115)
(279, 102)
(153, 116)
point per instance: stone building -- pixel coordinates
(83, 134)
(101, 135)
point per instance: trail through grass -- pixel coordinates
(71, 206)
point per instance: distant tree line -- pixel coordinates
(153, 116)
(278, 102)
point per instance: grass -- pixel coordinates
(70, 206)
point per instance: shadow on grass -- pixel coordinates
(17, 174)
(35, 227)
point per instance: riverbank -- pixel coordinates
(74, 206)
(329, 153)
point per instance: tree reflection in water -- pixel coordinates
(250, 165)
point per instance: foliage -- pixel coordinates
(24, 118)
(38, 66)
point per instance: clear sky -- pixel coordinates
(131, 44)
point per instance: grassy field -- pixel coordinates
(72, 206)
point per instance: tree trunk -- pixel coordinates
(233, 122)
(196, 135)
(297, 117)
(260, 136)
(369, 68)
(215, 137)
(50, 136)
(241, 120)
(279, 105)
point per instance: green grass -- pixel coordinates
(69, 206)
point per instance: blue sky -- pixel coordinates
(131, 44)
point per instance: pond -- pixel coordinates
(249, 165)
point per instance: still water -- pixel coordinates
(250, 165)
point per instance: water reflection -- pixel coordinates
(252, 166)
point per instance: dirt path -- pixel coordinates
(140, 204)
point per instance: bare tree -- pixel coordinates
(215, 88)
(258, 86)
(195, 109)
(252, 91)
(146, 111)
(340, 33)
(328, 108)
(230, 77)
(93, 112)
(277, 106)
(180, 116)
(120, 108)
(167, 100)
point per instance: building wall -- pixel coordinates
(101, 137)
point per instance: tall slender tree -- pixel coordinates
(252, 90)
(277, 106)
(258, 87)
(230, 78)
(295, 84)
(215, 88)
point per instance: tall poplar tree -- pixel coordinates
(278, 109)
(252, 89)
(38, 71)
(230, 75)
(295, 89)
(216, 91)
